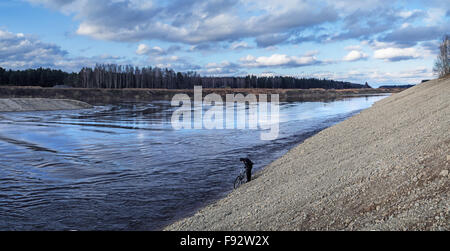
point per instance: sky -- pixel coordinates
(379, 42)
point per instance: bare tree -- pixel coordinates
(442, 64)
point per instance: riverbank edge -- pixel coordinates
(111, 96)
(400, 183)
(40, 104)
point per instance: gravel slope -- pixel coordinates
(40, 104)
(383, 169)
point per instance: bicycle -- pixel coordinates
(240, 179)
(245, 174)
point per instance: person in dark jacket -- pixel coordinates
(248, 168)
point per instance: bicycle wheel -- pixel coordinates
(238, 181)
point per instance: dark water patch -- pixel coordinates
(28, 145)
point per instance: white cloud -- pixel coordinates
(142, 49)
(239, 45)
(396, 54)
(268, 74)
(279, 60)
(222, 69)
(172, 62)
(408, 13)
(405, 25)
(355, 55)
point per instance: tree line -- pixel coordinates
(117, 76)
(128, 76)
(37, 77)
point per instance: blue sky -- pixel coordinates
(381, 42)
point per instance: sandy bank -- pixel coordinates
(384, 169)
(40, 104)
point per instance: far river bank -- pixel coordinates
(112, 96)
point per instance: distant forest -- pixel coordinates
(37, 77)
(118, 76)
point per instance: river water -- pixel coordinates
(123, 167)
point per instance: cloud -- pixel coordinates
(173, 62)
(203, 24)
(222, 69)
(270, 23)
(268, 74)
(279, 60)
(355, 55)
(20, 51)
(144, 49)
(273, 61)
(364, 23)
(240, 46)
(271, 39)
(408, 14)
(191, 22)
(396, 54)
(410, 35)
(409, 76)
(375, 44)
(202, 47)
(431, 46)
(376, 77)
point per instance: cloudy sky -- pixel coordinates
(381, 42)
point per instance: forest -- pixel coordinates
(37, 77)
(118, 76)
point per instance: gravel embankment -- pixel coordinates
(386, 168)
(40, 104)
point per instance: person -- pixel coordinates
(248, 168)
